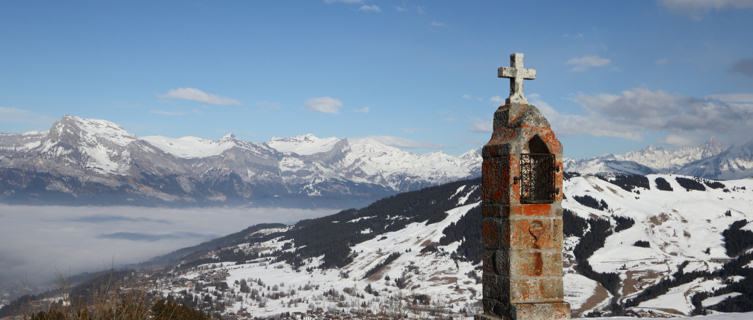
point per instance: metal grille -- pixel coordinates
(537, 178)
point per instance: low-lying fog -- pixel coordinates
(37, 243)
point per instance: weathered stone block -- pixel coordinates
(495, 178)
(494, 310)
(498, 148)
(536, 289)
(488, 263)
(495, 210)
(502, 261)
(557, 209)
(495, 286)
(532, 117)
(540, 311)
(543, 209)
(531, 234)
(557, 233)
(485, 316)
(495, 233)
(535, 263)
(501, 117)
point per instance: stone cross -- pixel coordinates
(521, 207)
(517, 74)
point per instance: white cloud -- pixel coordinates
(370, 8)
(584, 63)
(400, 9)
(634, 113)
(734, 97)
(166, 113)
(324, 104)
(584, 125)
(73, 237)
(697, 8)
(677, 140)
(365, 109)
(403, 143)
(194, 94)
(409, 130)
(437, 24)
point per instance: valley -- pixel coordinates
(633, 246)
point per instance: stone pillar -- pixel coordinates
(522, 234)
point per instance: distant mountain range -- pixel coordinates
(711, 160)
(87, 161)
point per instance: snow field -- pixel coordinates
(435, 276)
(679, 228)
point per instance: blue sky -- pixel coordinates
(611, 76)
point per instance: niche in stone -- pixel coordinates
(537, 169)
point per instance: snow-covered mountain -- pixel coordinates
(605, 164)
(89, 161)
(85, 161)
(650, 246)
(671, 160)
(711, 160)
(733, 163)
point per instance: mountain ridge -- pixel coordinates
(97, 162)
(77, 159)
(710, 160)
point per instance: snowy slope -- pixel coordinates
(711, 160)
(735, 162)
(671, 159)
(432, 274)
(723, 316)
(191, 147)
(416, 250)
(305, 145)
(604, 165)
(664, 239)
(96, 145)
(677, 226)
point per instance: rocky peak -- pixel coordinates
(73, 130)
(228, 137)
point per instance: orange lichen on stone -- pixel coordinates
(537, 209)
(522, 234)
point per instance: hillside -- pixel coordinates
(640, 245)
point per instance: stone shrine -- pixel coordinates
(522, 211)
